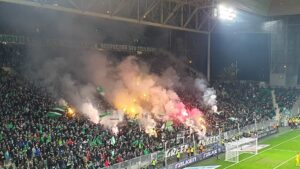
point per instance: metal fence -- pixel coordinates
(250, 128)
(136, 163)
(145, 160)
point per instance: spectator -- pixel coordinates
(29, 138)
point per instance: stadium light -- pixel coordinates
(226, 13)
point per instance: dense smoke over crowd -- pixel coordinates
(129, 87)
(133, 91)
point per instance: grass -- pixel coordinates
(280, 154)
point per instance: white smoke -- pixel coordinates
(209, 94)
(113, 119)
(91, 112)
(62, 102)
(148, 124)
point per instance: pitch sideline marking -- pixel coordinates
(284, 162)
(262, 151)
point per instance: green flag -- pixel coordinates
(60, 143)
(53, 114)
(92, 142)
(56, 111)
(141, 145)
(146, 151)
(99, 141)
(113, 140)
(83, 130)
(49, 139)
(10, 126)
(138, 143)
(169, 125)
(41, 129)
(135, 143)
(42, 139)
(26, 147)
(105, 114)
(100, 90)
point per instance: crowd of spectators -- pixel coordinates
(11, 55)
(237, 102)
(244, 102)
(30, 139)
(286, 97)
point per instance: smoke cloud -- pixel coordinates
(209, 96)
(131, 89)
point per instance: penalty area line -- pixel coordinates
(262, 151)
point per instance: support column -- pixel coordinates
(208, 56)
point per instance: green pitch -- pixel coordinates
(280, 154)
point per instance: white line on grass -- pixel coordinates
(285, 150)
(263, 151)
(284, 162)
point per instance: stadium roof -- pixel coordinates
(186, 15)
(267, 7)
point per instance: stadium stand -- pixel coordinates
(286, 97)
(29, 139)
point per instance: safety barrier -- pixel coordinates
(266, 128)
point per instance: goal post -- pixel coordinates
(230, 154)
(235, 148)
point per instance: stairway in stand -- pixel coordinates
(275, 106)
(296, 108)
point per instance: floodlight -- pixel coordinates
(226, 13)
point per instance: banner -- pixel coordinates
(196, 158)
(182, 148)
(185, 162)
(267, 133)
(119, 47)
(210, 140)
(172, 151)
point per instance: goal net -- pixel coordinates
(235, 148)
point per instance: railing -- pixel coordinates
(252, 127)
(145, 160)
(136, 163)
(16, 39)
